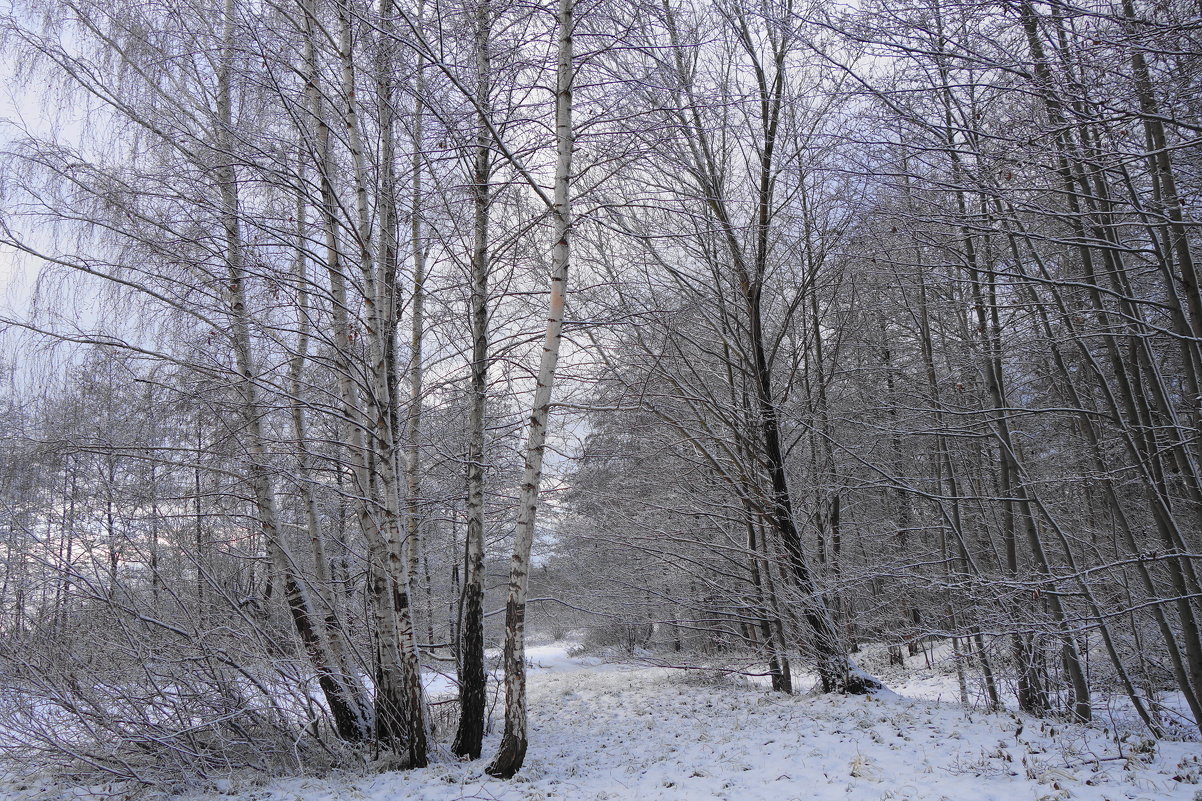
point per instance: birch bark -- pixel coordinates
(512, 751)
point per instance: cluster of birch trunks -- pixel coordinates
(885, 329)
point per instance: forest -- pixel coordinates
(375, 373)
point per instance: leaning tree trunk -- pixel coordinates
(512, 751)
(356, 726)
(349, 716)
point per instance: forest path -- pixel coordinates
(610, 732)
(604, 732)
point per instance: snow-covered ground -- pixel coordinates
(603, 731)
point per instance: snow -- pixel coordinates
(612, 732)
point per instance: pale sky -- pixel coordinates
(20, 110)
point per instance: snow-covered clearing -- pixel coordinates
(645, 734)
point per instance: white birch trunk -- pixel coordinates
(512, 751)
(472, 679)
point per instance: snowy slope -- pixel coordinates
(650, 734)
